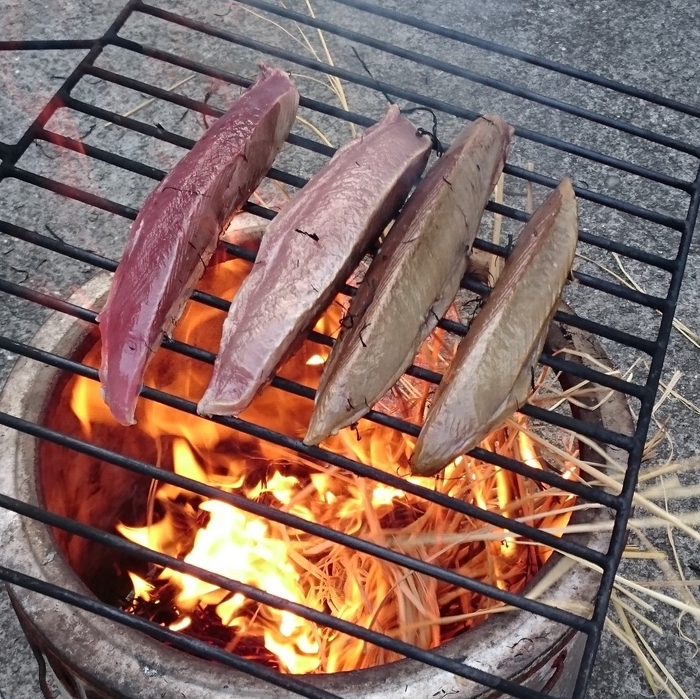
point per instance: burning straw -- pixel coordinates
(313, 571)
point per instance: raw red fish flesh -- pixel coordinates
(177, 230)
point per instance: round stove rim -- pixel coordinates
(64, 332)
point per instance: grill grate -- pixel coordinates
(670, 193)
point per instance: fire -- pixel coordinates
(290, 564)
(247, 552)
(181, 624)
(142, 589)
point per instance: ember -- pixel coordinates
(351, 585)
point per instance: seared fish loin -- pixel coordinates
(307, 254)
(490, 376)
(413, 279)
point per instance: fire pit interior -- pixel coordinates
(85, 489)
(351, 585)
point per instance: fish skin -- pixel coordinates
(413, 279)
(307, 254)
(490, 375)
(177, 230)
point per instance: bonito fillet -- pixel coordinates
(491, 374)
(412, 280)
(307, 254)
(177, 230)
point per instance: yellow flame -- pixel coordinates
(142, 588)
(527, 451)
(282, 487)
(181, 624)
(239, 546)
(385, 495)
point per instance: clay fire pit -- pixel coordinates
(93, 657)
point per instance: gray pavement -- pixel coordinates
(650, 44)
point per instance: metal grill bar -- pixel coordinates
(46, 44)
(581, 490)
(175, 139)
(645, 393)
(101, 155)
(478, 78)
(593, 375)
(409, 95)
(424, 25)
(619, 291)
(72, 192)
(595, 328)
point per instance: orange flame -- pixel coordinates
(285, 562)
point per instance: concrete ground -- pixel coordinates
(650, 44)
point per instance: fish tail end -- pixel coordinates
(333, 411)
(121, 376)
(498, 121)
(214, 403)
(231, 389)
(209, 406)
(121, 400)
(265, 71)
(566, 186)
(429, 458)
(316, 433)
(424, 464)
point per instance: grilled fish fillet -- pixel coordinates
(308, 252)
(177, 230)
(490, 376)
(412, 280)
